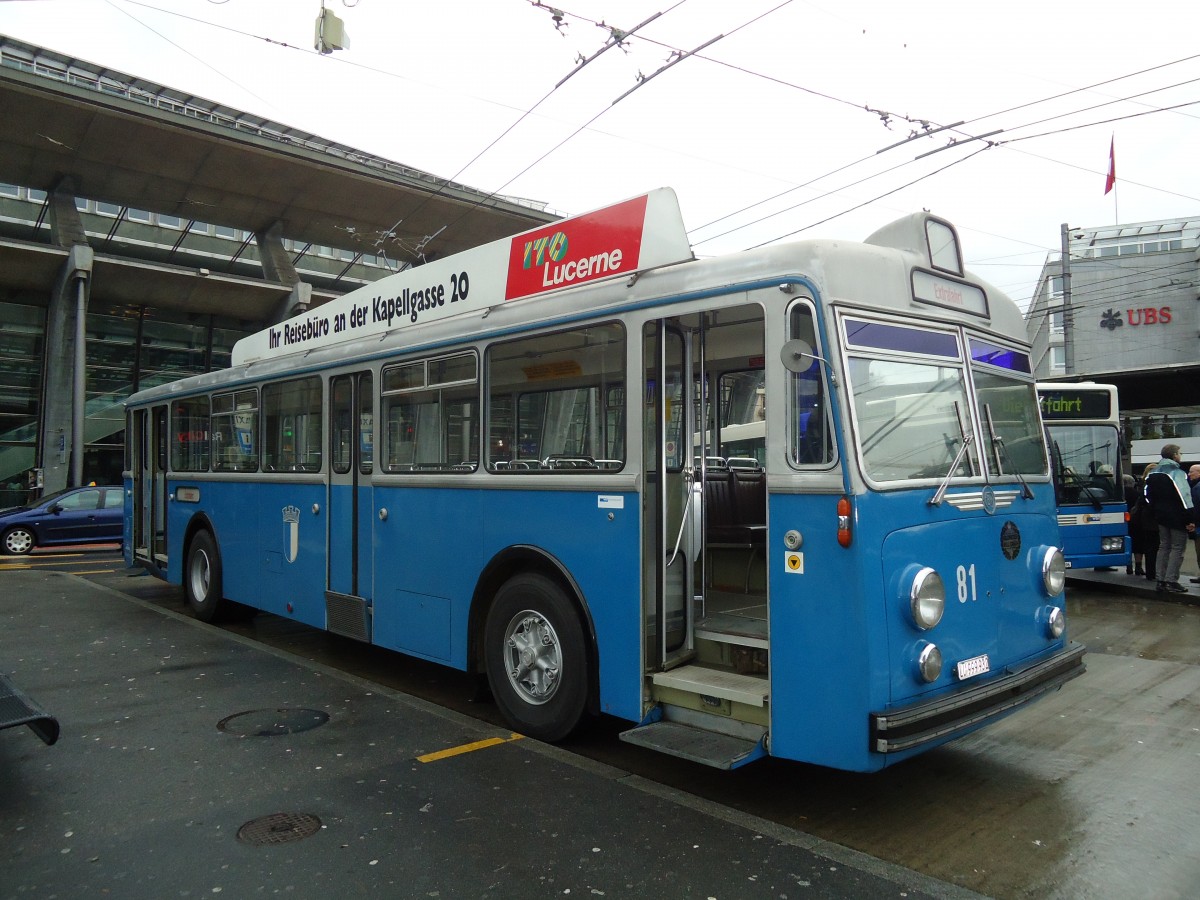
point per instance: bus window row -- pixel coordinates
(556, 403)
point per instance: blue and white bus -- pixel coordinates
(1084, 438)
(499, 461)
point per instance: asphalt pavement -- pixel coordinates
(193, 762)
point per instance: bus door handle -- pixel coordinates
(383, 514)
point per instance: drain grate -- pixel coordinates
(272, 722)
(278, 828)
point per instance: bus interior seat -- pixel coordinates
(736, 507)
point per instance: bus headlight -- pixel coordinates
(1054, 571)
(1056, 623)
(927, 598)
(929, 663)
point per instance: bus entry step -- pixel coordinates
(17, 709)
(721, 751)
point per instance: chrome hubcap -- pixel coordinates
(533, 657)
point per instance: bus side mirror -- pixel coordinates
(797, 356)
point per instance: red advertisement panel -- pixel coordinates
(598, 245)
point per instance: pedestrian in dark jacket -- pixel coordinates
(1194, 480)
(1170, 498)
(1143, 531)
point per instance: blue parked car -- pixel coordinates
(84, 515)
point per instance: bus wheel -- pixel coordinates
(202, 577)
(536, 658)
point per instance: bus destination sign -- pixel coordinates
(642, 233)
(1067, 404)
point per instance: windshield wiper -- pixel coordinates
(936, 499)
(998, 442)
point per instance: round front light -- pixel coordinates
(927, 599)
(929, 663)
(1054, 571)
(1056, 623)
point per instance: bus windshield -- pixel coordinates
(1008, 409)
(911, 418)
(1087, 463)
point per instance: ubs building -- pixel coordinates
(1123, 308)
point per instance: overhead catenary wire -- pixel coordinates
(883, 115)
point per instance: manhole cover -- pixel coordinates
(272, 722)
(278, 828)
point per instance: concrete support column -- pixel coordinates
(64, 381)
(61, 437)
(277, 266)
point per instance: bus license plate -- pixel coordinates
(969, 668)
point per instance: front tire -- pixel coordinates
(19, 541)
(536, 658)
(202, 582)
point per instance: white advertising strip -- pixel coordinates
(637, 234)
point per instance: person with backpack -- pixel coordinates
(1170, 499)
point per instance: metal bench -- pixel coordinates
(16, 708)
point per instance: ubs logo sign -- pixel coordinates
(291, 532)
(1111, 319)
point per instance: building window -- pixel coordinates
(1058, 359)
(138, 215)
(1056, 322)
(10, 190)
(170, 221)
(199, 227)
(108, 209)
(224, 231)
(37, 196)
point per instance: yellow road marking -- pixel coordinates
(468, 748)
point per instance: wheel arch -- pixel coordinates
(199, 522)
(520, 559)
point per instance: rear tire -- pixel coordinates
(19, 541)
(202, 583)
(536, 658)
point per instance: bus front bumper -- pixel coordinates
(936, 720)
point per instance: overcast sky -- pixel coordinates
(773, 129)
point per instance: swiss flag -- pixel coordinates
(1112, 167)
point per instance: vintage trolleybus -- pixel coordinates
(510, 461)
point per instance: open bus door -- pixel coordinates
(709, 713)
(350, 580)
(675, 510)
(149, 442)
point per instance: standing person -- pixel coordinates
(1170, 498)
(1144, 531)
(1194, 479)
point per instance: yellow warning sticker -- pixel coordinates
(794, 563)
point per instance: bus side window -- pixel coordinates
(291, 416)
(809, 435)
(235, 431)
(557, 402)
(430, 412)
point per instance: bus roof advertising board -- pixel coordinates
(637, 234)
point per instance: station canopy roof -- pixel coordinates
(130, 142)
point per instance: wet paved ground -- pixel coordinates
(1089, 793)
